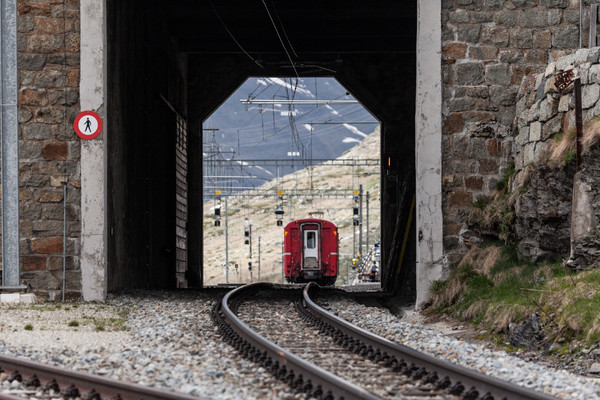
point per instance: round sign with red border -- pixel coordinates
(88, 125)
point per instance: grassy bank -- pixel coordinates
(491, 288)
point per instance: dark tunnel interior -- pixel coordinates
(171, 64)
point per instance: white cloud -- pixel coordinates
(308, 127)
(261, 82)
(354, 130)
(350, 140)
(331, 109)
(281, 82)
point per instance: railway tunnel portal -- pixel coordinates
(169, 65)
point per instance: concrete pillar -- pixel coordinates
(428, 126)
(93, 192)
(10, 144)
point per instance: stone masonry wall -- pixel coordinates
(488, 47)
(48, 63)
(543, 211)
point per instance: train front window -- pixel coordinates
(310, 240)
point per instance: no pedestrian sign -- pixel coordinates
(88, 125)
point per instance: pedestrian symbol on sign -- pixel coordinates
(88, 125)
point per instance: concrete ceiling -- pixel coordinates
(306, 27)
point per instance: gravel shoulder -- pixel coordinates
(168, 340)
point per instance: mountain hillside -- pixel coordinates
(260, 212)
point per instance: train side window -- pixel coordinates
(310, 240)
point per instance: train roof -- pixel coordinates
(297, 222)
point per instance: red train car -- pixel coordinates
(310, 251)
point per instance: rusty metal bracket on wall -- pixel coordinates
(10, 145)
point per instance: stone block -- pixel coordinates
(568, 121)
(520, 72)
(488, 167)
(474, 182)
(481, 17)
(468, 33)
(540, 151)
(504, 96)
(29, 150)
(536, 56)
(470, 73)
(44, 44)
(49, 115)
(56, 151)
(48, 195)
(56, 263)
(497, 74)
(589, 95)
(31, 62)
(27, 298)
(581, 56)
(53, 244)
(33, 97)
(533, 19)
(459, 16)
(550, 69)
(566, 102)
(461, 198)
(529, 154)
(495, 35)
(51, 79)
(565, 37)
(551, 127)
(525, 3)
(542, 40)
(523, 136)
(483, 52)
(454, 50)
(548, 108)
(494, 147)
(453, 123)
(564, 62)
(49, 25)
(571, 16)
(510, 56)
(493, 4)
(554, 17)
(33, 263)
(36, 131)
(594, 55)
(9, 298)
(521, 38)
(25, 115)
(535, 131)
(506, 18)
(594, 74)
(462, 104)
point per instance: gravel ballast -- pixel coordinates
(168, 340)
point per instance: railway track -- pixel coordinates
(345, 361)
(42, 381)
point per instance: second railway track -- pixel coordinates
(330, 358)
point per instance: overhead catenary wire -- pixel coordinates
(280, 40)
(232, 36)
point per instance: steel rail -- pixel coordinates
(281, 362)
(79, 384)
(417, 363)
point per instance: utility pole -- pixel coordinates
(226, 243)
(367, 221)
(360, 221)
(282, 262)
(250, 257)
